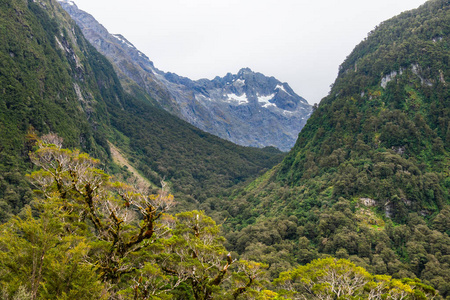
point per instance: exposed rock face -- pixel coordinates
(129, 62)
(247, 108)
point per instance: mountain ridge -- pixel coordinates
(211, 105)
(367, 181)
(54, 80)
(368, 178)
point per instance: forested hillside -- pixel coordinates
(247, 108)
(40, 78)
(87, 236)
(53, 80)
(358, 209)
(368, 178)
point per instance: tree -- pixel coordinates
(39, 258)
(195, 254)
(121, 220)
(247, 279)
(325, 279)
(119, 239)
(330, 278)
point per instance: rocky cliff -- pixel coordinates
(247, 108)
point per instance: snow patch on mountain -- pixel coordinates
(242, 99)
(122, 40)
(267, 105)
(265, 99)
(240, 82)
(280, 87)
(71, 3)
(200, 97)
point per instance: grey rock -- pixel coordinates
(247, 108)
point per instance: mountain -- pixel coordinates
(368, 178)
(246, 108)
(53, 80)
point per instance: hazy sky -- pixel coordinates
(299, 42)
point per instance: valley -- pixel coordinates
(358, 208)
(247, 108)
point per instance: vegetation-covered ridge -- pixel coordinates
(53, 80)
(367, 181)
(384, 130)
(42, 72)
(368, 178)
(87, 236)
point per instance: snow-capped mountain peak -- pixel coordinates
(247, 108)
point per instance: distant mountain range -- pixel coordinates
(247, 108)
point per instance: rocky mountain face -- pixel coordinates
(129, 63)
(246, 108)
(52, 80)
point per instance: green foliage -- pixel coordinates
(94, 238)
(368, 177)
(39, 257)
(110, 207)
(385, 141)
(36, 83)
(53, 80)
(330, 278)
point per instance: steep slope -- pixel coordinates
(368, 177)
(41, 78)
(53, 80)
(247, 108)
(387, 118)
(132, 66)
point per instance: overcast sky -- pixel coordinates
(299, 42)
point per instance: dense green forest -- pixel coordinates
(368, 179)
(88, 236)
(53, 80)
(359, 208)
